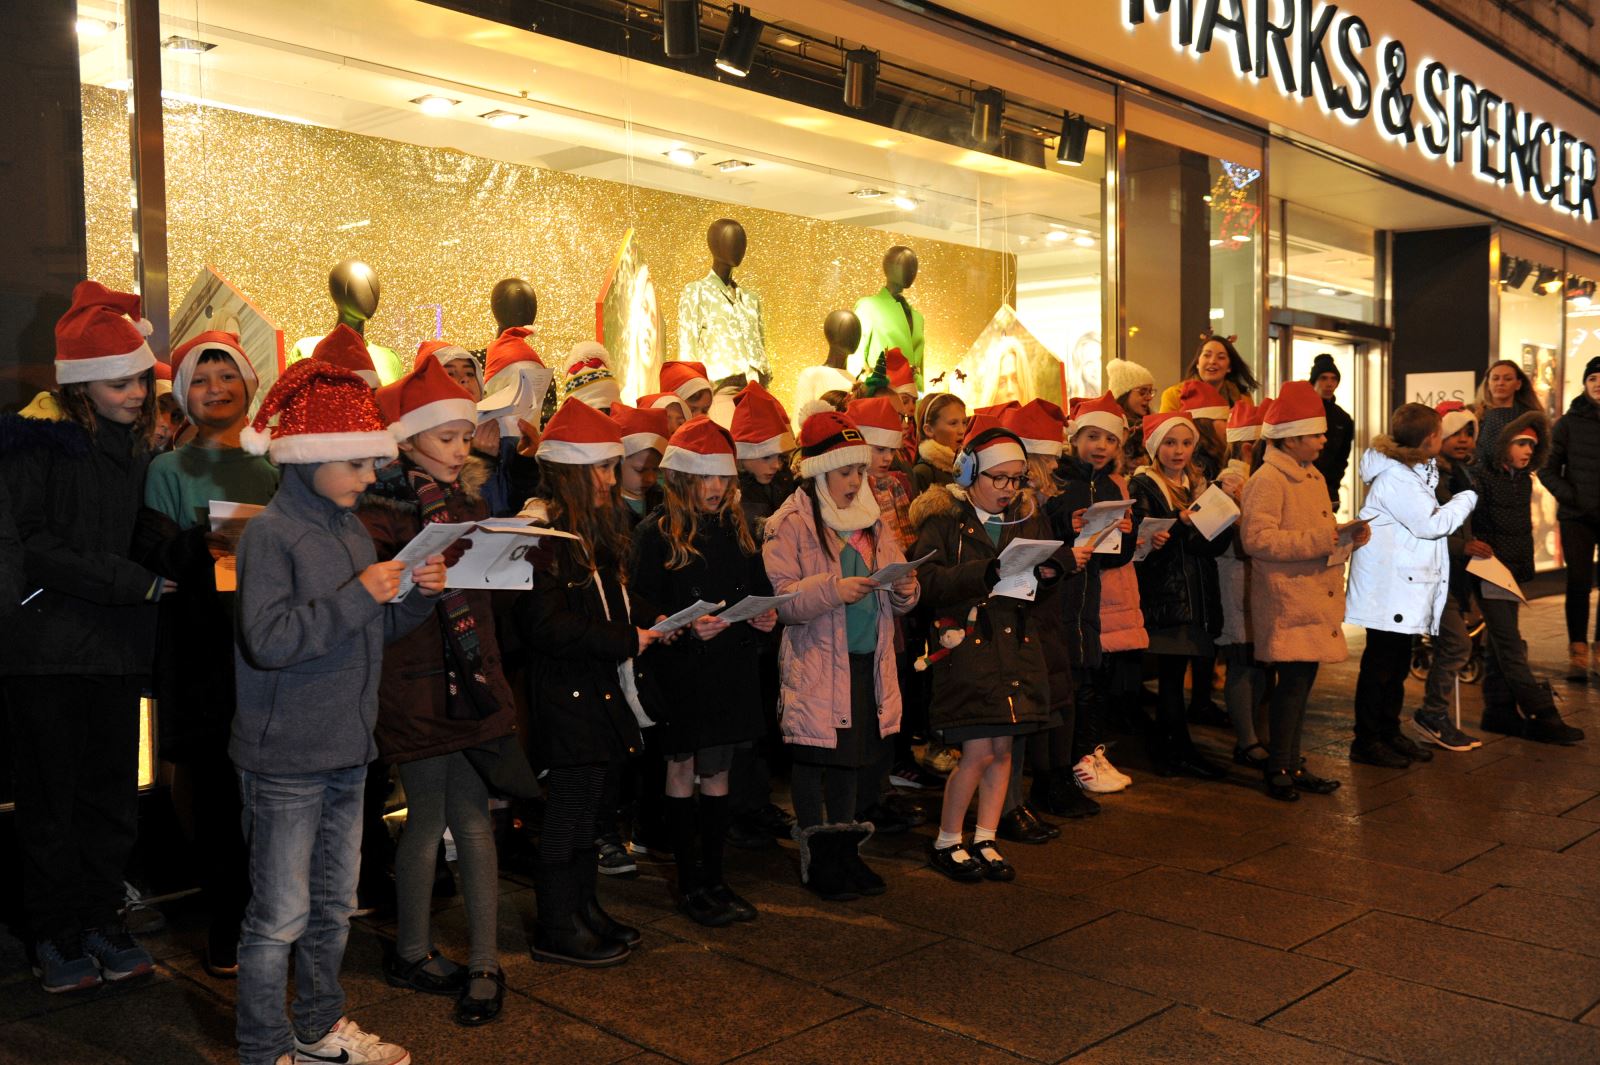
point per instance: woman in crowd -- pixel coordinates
(1216, 362)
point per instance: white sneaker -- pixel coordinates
(347, 1044)
(1106, 769)
(1091, 780)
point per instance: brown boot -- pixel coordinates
(1578, 663)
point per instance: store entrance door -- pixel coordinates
(1363, 362)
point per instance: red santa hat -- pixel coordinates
(424, 398)
(504, 353)
(829, 441)
(1104, 413)
(1157, 426)
(1529, 432)
(640, 428)
(347, 349)
(663, 400)
(1244, 421)
(701, 447)
(579, 435)
(101, 337)
(163, 374)
(994, 410)
(1297, 411)
(879, 421)
(1455, 416)
(586, 374)
(1039, 424)
(760, 425)
(684, 378)
(1200, 400)
(446, 353)
(188, 356)
(902, 378)
(998, 448)
(325, 413)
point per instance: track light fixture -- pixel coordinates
(860, 78)
(1074, 140)
(1549, 281)
(1023, 148)
(680, 28)
(1514, 271)
(988, 108)
(739, 42)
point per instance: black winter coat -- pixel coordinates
(707, 693)
(761, 501)
(11, 591)
(1503, 518)
(1177, 582)
(1572, 473)
(1080, 593)
(1335, 456)
(75, 499)
(1454, 478)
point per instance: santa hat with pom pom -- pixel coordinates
(101, 337)
(586, 374)
(325, 413)
(829, 440)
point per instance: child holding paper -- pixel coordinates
(1514, 702)
(697, 546)
(1178, 589)
(443, 694)
(644, 441)
(1245, 689)
(840, 697)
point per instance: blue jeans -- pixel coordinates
(304, 836)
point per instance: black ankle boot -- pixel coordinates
(599, 921)
(561, 934)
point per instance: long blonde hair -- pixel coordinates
(680, 521)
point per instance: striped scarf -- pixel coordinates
(460, 627)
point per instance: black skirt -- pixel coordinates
(860, 744)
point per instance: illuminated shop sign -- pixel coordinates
(1313, 51)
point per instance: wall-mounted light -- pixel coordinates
(502, 118)
(1074, 140)
(739, 42)
(1548, 282)
(1514, 272)
(683, 156)
(988, 108)
(729, 166)
(860, 78)
(1057, 236)
(680, 28)
(1083, 241)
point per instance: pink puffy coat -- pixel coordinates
(1288, 530)
(1121, 620)
(814, 657)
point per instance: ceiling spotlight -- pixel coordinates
(1074, 140)
(1326, 291)
(988, 107)
(435, 105)
(1549, 280)
(860, 78)
(1023, 148)
(187, 44)
(94, 27)
(739, 42)
(683, 156)
(904, 202)
(867, 194)
(788, 40)
(680, 28)
(1215, 241)
(502, 118)
(728, 166)
(1514, 271)
(1083, 242)
(1056, 236)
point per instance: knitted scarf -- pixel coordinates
(464, 655)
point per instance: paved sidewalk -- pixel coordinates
(1446, 913)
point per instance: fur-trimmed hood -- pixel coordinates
(937, 455)
(20, 434)
(939, 499)
(394, 491)
(1541, 449)
(1386, 446)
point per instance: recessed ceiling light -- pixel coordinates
(1218, 314)
(727, 166)
(1215, 241)
(1326, 291)
(187, 44)
(94, 27)
(1206, 198)
(904, 202)
(788, 40)
(867, 194)
(502, 118)
(1242, 238)
(435, 105)
(683, 156)
(1083, 242)
(1056, 236)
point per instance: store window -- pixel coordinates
(447, 151)
(1323, 264)
(1532, 317)
(1583, 322)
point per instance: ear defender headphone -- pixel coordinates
(966, 471)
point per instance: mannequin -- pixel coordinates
(353, 286)
(842, 330)
(719, 321)
(513, 302)
(887, 319)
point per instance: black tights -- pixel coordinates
(571, 796)
(811, 783)
(1287, 713)
(1170, 737)
(1578, 540)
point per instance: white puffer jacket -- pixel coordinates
(1399, 580)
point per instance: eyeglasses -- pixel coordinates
(1008, 480)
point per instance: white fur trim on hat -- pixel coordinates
(105, 367)
(434, 414)
(634, 443)
(1453, 422)
(837, 459)
(1103, 420)
(570, 454)
(183, 376)
(1303, 427)
(1035, 446)
(1217, 413)
(1153, 441)
(330, 447)
(998, 452)
(1244, 433)
(760, 449)
(686, 461)
(164, 388)
(878, 436)
(692, 387)
(598, 394)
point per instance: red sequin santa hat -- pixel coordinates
(1040, 424)
(829, 441)
(640, 428)
(1244, 420)
(760, 425)
(701, 447)
(902, 378)
(586, 374)
(684, 378)
(1200, 400)
(503, 354)
(101, 337)
(423, 399)
(879, 421)
(324, 413)
(1454, 416)
(446, 353)
(1104, 413)
(663, 400)
(346, 348)
(1157, 426)
(1297, 411)
(187, 358)
(163, 375)
(579, 435)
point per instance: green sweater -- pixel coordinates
(182, 483)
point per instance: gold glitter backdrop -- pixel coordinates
(264, 200)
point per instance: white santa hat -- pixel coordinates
(579, 435)
(878, 420)
(446, 353)
(760, 425)
(586, 374)
(1297, 411)
(324, 413)
(423, 399)
(187, 358)
(684, 378)
(101, 337)
(701, 447)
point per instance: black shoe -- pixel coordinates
(1306, 780)
(778, 822)
(1209, 713)
(1016, 828)
(994, 866)
(561, 934)
(1502, 720)
(740, 908)
(1374, 752)
(1280, 786)
(702, 908)
(471, 1012)
(1551, 729)
(861, 876)
(1242, 756)
(1066, 799)
(1027, 811)
(748, 833)
(1192, 763)
(913, 776)
(605, 926)
(1409, 748)
(965, 868)
(415, 975)
(221, 955)
(822, 862)
(613, 858)
(885, 821)
(906, 808)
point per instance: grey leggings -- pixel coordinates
(440, 792)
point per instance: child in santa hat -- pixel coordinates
(688, 381)
(513, 473)
(761, 437)
(213, 383)
(644, 441)
(84, 635)
(584, 633)
(697, 545)
(941, 426)
(168, 422)
(443, 694)
(315, 610)
(841, 698)
(1246, 686)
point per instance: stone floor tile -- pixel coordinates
(1233, 908)
(1483, 822)
(874, 1037)
(1063, 868)
(1534, 797)
(1169, 841)
(1541, 870)
(1375, 885)
(158, 1022)
(1589, 811)
(1533, 917)
(1392, 841)
(1004, 916)
(1183, 1036)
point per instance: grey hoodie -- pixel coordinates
(310, 638)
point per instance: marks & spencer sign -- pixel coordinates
(1317, 52)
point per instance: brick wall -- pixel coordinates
(1558, 38)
